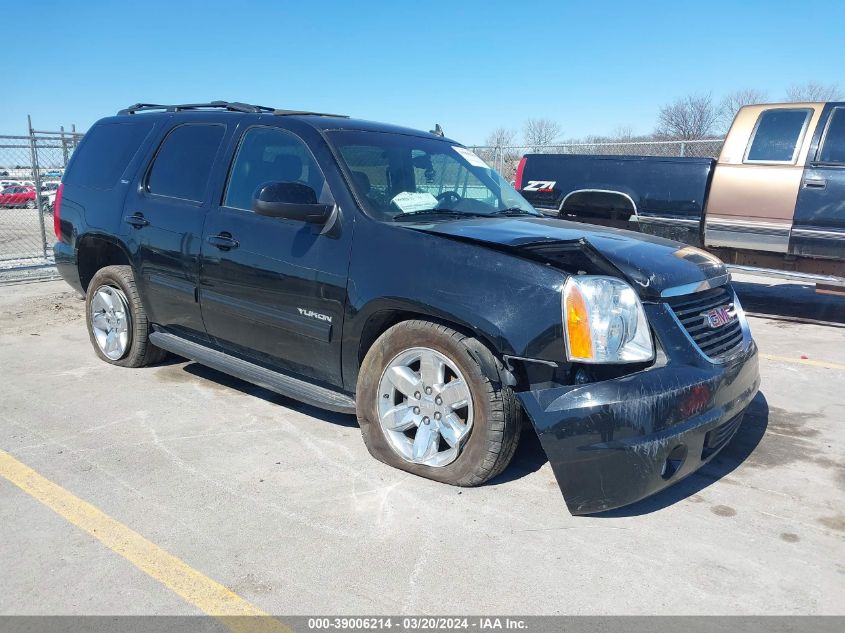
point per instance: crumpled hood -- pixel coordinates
(652, 265)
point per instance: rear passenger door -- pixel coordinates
(164, 218)
(271, 288)
(819, 228)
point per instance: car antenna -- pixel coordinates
(437, 131)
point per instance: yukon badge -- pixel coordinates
(718, 317)
(315, 315)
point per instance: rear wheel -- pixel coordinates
(427, 406)
(117, 322)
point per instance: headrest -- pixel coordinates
(287, 168)
(362, 182)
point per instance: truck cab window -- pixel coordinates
(271, 155)
(777, 136)
(183, 163)
(833, 149)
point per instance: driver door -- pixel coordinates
(274, 289)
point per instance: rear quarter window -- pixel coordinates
(183, 163)
(105, 152)
(778, 135)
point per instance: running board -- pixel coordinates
(809, 278)
(274, 381)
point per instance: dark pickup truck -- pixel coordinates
(387, 272)
(773, 203)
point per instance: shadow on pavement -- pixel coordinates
(218, 377)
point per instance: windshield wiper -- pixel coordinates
(400, 217)
(512, 211)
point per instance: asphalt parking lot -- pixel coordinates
(282, 505)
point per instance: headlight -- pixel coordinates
(604, 321)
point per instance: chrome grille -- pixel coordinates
(715, 343)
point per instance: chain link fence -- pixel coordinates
(505, 158)
(31, 168)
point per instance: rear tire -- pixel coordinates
(112, 308)
(493, 416)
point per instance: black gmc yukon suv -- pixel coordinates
(367, 268)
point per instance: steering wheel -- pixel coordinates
(452, 196)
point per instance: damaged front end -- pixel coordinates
(619, 428)
(613, 442)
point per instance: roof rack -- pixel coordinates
(231, 106)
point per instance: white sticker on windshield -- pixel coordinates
(409, 201)
(471, 158)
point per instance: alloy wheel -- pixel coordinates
(425, 407)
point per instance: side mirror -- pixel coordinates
(291, 200)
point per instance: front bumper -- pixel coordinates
(615, 442)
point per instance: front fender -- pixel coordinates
(510, 303)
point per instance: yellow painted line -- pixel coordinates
(803, 361)
(207, 595)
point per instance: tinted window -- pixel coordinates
(271, 155)
(105, 153)
(183, 163)
(833, 150)
(777, 135)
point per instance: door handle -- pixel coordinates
(818, 183)
(137, 220)
(223, 241)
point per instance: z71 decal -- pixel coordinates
(540, 185)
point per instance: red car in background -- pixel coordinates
(18, 196)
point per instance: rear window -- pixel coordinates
(183, 163)
(833, 149)
(777, 136)
(105, 152)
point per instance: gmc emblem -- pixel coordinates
(718, 317)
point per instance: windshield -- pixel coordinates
(397, 177)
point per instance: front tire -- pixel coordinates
(116, 319)
(427, 406)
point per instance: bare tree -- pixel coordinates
(688, 118)
(505, 160)
(539, 132)
(732, 102)
(814, 91)
(622, 134)
(501, 136)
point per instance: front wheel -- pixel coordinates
(427, 406)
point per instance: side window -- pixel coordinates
(183, 163)
(833, 147)
(271, 155)
(777, 136)
(105, 153)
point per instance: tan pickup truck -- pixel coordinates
(773, 203)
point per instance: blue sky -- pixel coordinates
(471, 66)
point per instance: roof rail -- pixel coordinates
(306, 113)
(232, 106)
